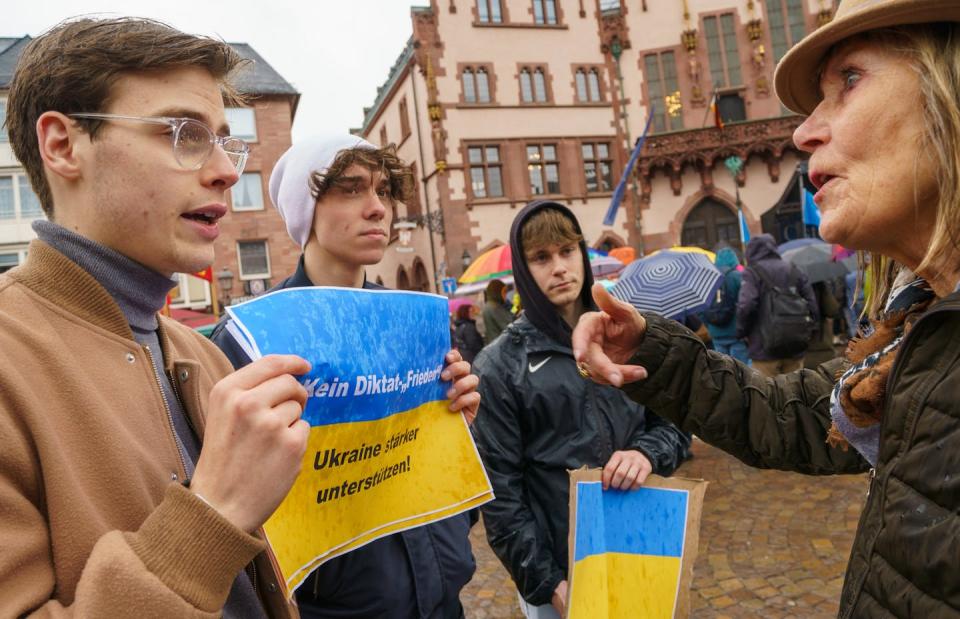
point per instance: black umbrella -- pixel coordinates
(816, 261)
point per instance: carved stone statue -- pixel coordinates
(695, 68)
(439, 137)
(759, 56)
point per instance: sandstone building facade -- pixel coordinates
(498, 102)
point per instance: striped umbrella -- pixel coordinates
(671, 283)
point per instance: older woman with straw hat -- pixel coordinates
(880, 85)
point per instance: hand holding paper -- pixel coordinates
(559, 600)
(463, 394)
(254, 440)
(632, 553)
(626, 470)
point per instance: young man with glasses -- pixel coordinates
(336, 195)
(107, 409)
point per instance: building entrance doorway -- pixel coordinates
(709, 224)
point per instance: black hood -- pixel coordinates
(537, 307)
(762, 247)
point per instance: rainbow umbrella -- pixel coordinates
(455, 304)
(688, 249)
(490, 264)
(497, 264)
(603, 264)
(625, 255)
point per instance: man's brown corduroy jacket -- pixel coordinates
(93, 521)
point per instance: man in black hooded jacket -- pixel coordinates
(540, 417)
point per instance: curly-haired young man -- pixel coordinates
(336, 195)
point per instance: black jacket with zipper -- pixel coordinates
(538, 419)
(905, 560)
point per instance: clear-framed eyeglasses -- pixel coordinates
(193, 141)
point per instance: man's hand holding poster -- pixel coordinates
(384, 454)
(632, 552)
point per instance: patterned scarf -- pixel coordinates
(858, 397)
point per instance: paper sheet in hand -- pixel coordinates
(384, 454)
(632, 552)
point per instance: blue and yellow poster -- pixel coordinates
(632, 552)
(384, 454)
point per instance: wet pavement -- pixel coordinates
(772, 545)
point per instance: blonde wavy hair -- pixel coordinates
(934, 52)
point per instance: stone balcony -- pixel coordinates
(701, 149)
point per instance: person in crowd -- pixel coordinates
(854, 303)
(466, 337)
(336, 194)
(721, 317)
(513, 302)
(821, 344)
(108, 412)
(539, 418)
(766, 276)
(496, 313)
(887, 170)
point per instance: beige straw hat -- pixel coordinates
(796, 76)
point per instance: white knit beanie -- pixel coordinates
(290, 180)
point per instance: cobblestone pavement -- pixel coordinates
(772, 545)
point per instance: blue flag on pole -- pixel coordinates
(811, 214)
(744, 230)
(622, 186)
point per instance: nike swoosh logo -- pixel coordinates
(534, 368)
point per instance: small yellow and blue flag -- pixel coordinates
(629, 549)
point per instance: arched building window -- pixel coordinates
(786, 25)
(533, 85)
(476, 84)
(539, 86)
(403, 280)
(593, 84)
(483, 86)
(421, 281)
(580, 79)
(587, 82)
(489, 12)
(469, 86)
(526, 86)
